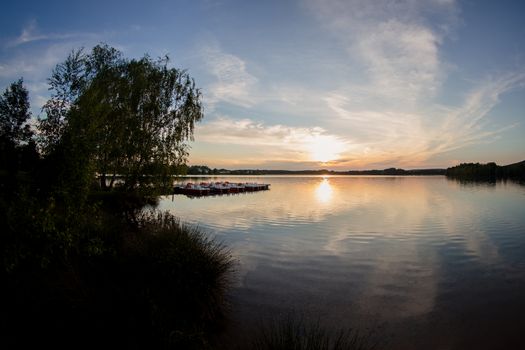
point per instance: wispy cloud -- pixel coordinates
(391, 113)
(392, 119)
(364, 83)
(24, 57)
(392, 41)
(412, 138)
(36, 63)
(402, 61)
(28, 34)
(31, 33)
(465, 125)
(233, 83)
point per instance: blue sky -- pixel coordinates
(310, 83)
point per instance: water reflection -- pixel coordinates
(324, 191)
(299, 201)
(413, 252)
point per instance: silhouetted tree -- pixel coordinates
(120, 116)
(474, 171)
(15, 131)
(486, 172)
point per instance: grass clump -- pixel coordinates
(182, 275)
(292, 332)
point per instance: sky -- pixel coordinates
(309, 84)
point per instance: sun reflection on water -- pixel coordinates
(324, 191)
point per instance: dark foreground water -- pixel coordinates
(425, 262)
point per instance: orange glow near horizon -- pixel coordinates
(325, 148)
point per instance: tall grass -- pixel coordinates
(154, 282)
(181, 273)
(292, 332)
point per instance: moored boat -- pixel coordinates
(205, 188)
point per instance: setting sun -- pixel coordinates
(324, 148)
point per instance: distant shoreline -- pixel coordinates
(205, 171)
(467, 170)
(304, 175)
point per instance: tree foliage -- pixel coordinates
(124, 117)
(487, 172)
(15, 131)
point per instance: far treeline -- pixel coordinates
(467, 171)
(489, 171)
(204, 170)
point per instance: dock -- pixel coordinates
(193, 189)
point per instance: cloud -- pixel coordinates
(375, 134)
(368, 96)
(278, 142)
(465, 125)
(385, 115)
(233, 83)
(401, 60)
(397, 48)
(390, 110)
(37, 63)
(342, 14)
(412, 138)
(30, 33)
(24, 56)
(34, 65)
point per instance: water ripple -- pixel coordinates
(419, 254)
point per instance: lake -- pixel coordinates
(422, 262)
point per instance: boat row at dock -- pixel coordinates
(211, 188)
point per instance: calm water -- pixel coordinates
(425, 262)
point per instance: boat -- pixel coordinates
(204, 188)
(191, 189)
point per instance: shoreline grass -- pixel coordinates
(93, 278)
(293, 332)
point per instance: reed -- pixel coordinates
(292, 332)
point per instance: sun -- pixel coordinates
(325, 148)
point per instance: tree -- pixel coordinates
(66, 84)
(125, 117)
(15, 131)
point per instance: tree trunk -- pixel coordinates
(112, 181)
(103, 181)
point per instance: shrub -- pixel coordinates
(181, 273)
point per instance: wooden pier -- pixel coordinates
(192, 189)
